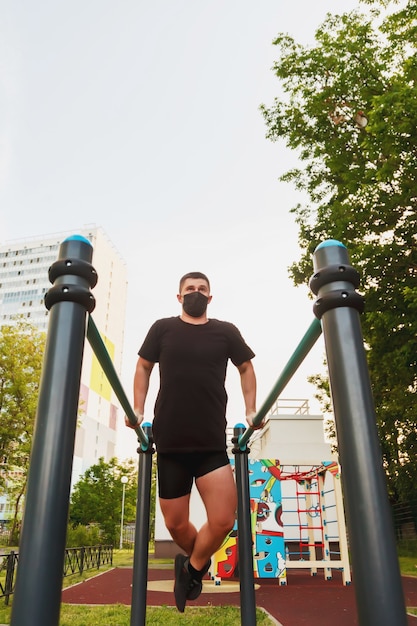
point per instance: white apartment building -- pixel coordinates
(24, 281)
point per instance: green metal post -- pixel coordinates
(105, 361)
(37, 595)
(244, 529)
(376, 571)
(141, 552)
(298, 356)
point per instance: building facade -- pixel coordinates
(24, 281)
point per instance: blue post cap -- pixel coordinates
(146, 424)
(328, 243)
(77, 238)
(240, 425)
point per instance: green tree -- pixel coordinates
(21, 354)
(97, 497)
(349, 109)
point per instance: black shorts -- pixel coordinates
(176, 472)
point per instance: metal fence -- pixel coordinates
(7, 574)
(405, 520)
(77, 560)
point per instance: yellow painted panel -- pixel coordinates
(98, 379)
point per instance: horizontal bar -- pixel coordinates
(303, 348)
(106, 363)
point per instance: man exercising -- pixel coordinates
(189, 426)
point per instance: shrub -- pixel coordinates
(83, 536)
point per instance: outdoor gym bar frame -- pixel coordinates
(379, 593)
(378, 589)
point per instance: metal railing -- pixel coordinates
(405, 520)
(86, 557)
(290, 406)
(77, 560)
(7, 575)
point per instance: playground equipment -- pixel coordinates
(318, 508)
(311, 504)
(297, 522)
(39, 576)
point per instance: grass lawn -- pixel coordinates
(119, 615)
(408, 565)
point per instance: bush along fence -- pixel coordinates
(77, 560)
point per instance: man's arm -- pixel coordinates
(248, 382)
(140, 388)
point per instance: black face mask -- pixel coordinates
(195, 304)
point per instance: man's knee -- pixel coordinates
(176, 514)
(176, 525)
(229, 523)
(223, 524)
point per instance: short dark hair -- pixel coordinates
(194, 275)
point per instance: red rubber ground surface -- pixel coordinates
(304, 600)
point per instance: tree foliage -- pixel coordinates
(97, 497)
(349, 109)
(21, 354)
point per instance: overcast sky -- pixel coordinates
(143, 118)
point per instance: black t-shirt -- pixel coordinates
(190, 409)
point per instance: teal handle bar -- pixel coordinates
(105, 361)
(298, 356)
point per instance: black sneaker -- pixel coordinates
(194, 589)
(183, 581)
(196, 586)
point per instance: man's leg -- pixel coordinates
(176, 513)
(218, 492)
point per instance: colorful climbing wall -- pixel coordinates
(267, 529)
